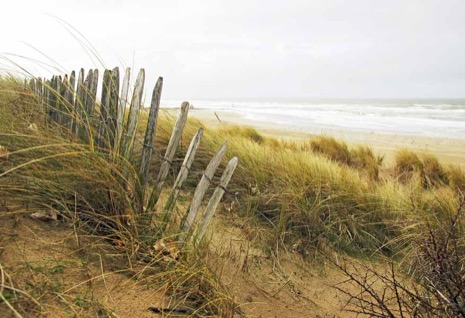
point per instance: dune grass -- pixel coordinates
(319, 194)
(316, 193)
(310, 200)
(322, 193)
(427, 169)
(45, 168)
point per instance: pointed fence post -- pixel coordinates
(67, 103)
(123, 101)
(40, 92)
(169, 155)
(134, 111)
(101, 138)
(150, 133)
(70, 101)
(62, 83)
(54, 104)
(87, 107)
(215, 200)
(182, 176)
(48, 100)
(92, 101)
(200, 191)
(79, 104)
(113, 107)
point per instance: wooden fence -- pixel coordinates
(71, 102)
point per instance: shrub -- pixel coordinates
(435, 284)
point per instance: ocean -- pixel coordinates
(443, 118)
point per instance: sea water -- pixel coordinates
(432, 117)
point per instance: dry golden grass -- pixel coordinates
(48, 169)
(317, 194)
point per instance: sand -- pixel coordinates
(450, 151)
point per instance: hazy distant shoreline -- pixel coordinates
(450, 150)
(427, 118)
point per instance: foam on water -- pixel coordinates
(436, 118)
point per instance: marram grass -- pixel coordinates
(319, 193)
(45, 168)
(308, 195)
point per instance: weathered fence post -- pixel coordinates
(102, 132)
(67, 103)
(169, 154)
(87, 107)
(70, 100)
(134, 111)
(215, 200)
(79, 104)
(48, 100)
(182, 176)
(150, 133)
(113, 107)
(200, 191)
(123, 100)
(53, 98)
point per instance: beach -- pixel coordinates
(449, 150)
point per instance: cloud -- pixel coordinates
(266, 49)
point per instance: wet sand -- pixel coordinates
(450, 151)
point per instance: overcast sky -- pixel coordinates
(255, 49)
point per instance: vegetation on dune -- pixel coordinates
(308, 201)
(435, 284)
(44, 168)
(360, 157)
(427, 170)
(319, 194)
(456, 177)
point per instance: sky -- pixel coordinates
(250, 49)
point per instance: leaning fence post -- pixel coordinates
(169, 155)
(200, 191)
(149, 133)
(215, 200)
(182, 176)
